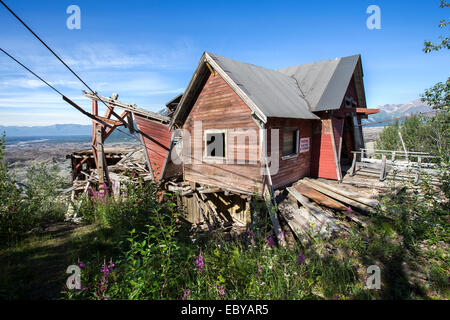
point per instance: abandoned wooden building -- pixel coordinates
(316, 107)
(248, 130)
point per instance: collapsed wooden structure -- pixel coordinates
(305, 119)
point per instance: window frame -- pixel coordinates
(205, 139)
(297, 139)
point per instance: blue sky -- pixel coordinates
(148, 50)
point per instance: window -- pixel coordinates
(215, 143)
(290, 142)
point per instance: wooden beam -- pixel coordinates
(130, 122)
(313, 210)
(128, 107)
(269, 198)
(337, 196)
(383, 168)
(319, 197)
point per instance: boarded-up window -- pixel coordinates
(215, 144)
(290, 142)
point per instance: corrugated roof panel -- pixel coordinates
(273, 92)
(324, 83)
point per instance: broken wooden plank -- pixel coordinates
(315, 211)
(210, 190)
(339, 197)
(268, 195)
(364, 201)
(297, 223)
(319, 197)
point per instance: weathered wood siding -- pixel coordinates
(293, 168)
(157, 146)
(219, 107)
(323, 164)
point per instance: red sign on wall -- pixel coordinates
(304, 145)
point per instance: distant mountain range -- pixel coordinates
(392, 111)
(53, 130)
(58, 132)
(387, 111)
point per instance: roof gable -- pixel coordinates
(324, 83)
(274, 93)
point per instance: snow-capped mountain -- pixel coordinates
(391, 111)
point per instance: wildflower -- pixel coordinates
(349, 209)
(270, 242)
(104, 269)
(294, 273)
(81, 264)
(220, 291)
(111, 264)
(259, 268)
(199, 263)
(286, 275)
(186, 295)
(300, 259)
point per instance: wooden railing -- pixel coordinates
(393, 160)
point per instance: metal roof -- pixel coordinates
(274, 93)
(324, 83)
(294, 92)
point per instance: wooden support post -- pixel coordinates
(353, 167)
(130, 122)
(403, 145)
(101, 163)
(419, 164)
(271, 206)
(383, 168)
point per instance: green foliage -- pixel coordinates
(421, 134)
(445, 42)
(22, 210)
(438, 97)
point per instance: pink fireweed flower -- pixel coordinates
(259, 268)
(104, 269)
(300, 259)
(270, 242)
(200, 263)
(81, 264)
(186, 295)
(349, 209)
(220, 291)
(111, 264)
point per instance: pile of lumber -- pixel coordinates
(133, 164)
(315, 207)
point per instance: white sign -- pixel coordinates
(304, 145)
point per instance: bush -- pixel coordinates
(22, 209)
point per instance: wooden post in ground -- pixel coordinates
(383, 168)
(353, 167)
(269, 198)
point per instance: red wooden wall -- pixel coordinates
(161, 136)
(293, 168)
(323, 164)
(219, 107)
